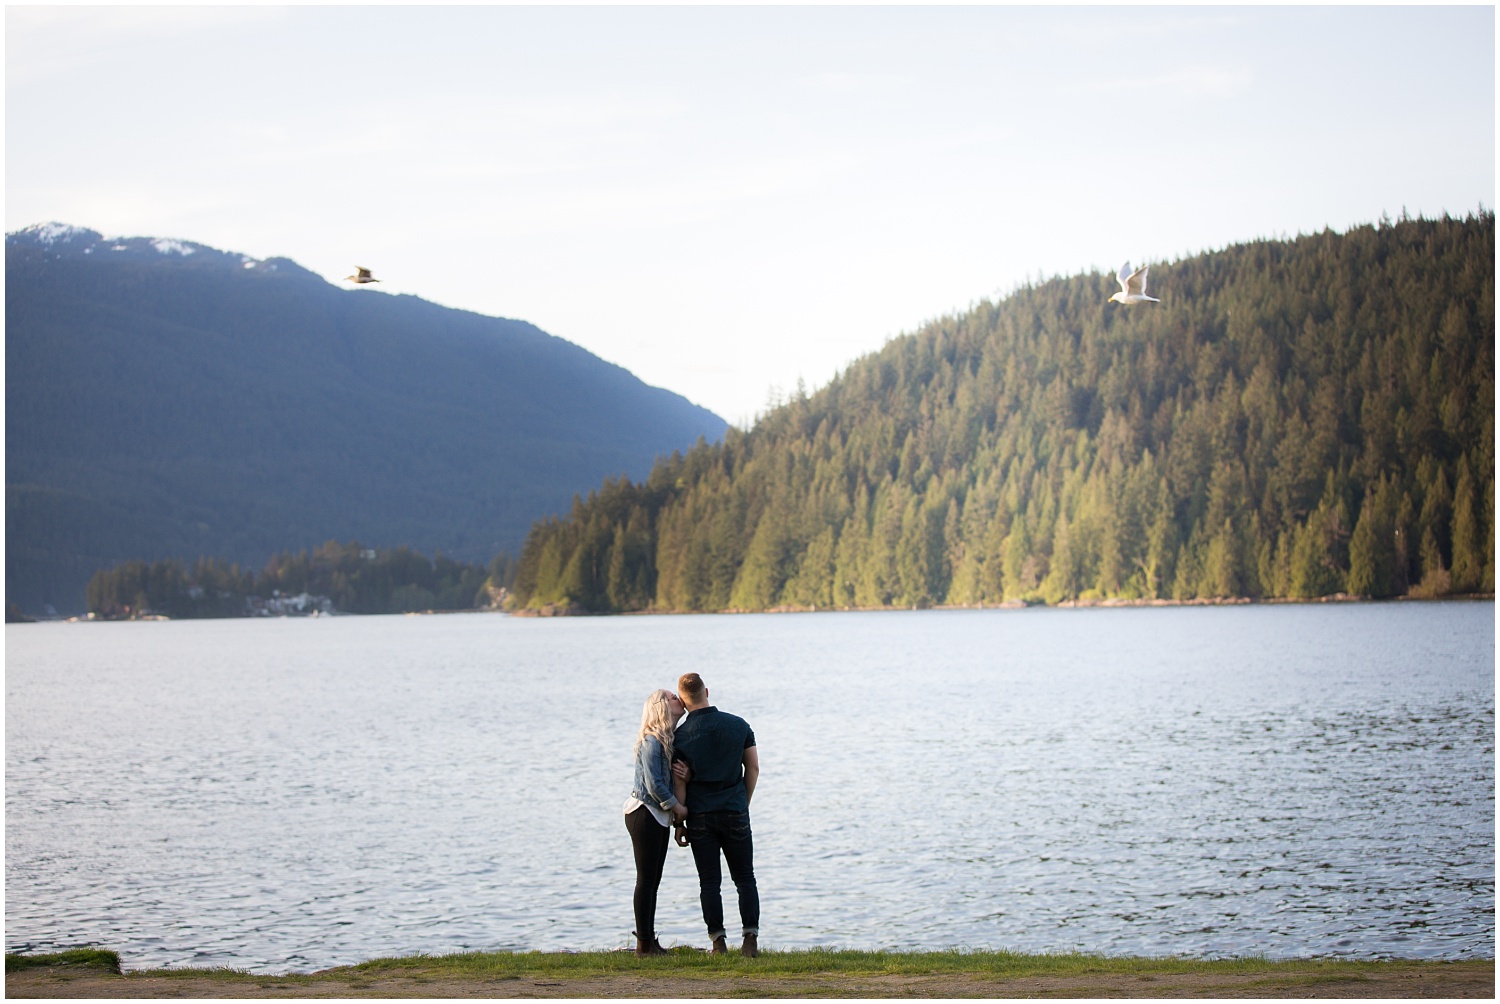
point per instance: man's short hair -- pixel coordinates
(690, 688)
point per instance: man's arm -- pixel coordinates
(752, 771)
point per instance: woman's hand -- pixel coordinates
(679, 813)
(681, 771)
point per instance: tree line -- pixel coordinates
(1295, 419)
(348, 578)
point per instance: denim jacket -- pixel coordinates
(653, 775)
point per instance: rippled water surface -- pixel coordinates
(296, 794)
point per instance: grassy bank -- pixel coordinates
(696, 962)
(95, 957)
(692, 961)
(814, 973)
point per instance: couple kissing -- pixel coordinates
(697, 776)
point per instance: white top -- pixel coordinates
(632, 803)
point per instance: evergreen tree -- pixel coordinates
(1372, 556)
(1316, 568)
(1221, 571)
(1437, 510)
(763, 572)
(1022, 572)
(1487, 583)
(1468, 553)
(1435, 578)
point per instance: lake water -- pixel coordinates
(281, 795)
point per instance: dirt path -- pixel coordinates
(1394, 979)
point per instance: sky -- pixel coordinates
(729, 200)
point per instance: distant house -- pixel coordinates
(301, 605)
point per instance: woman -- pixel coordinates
(651, 809)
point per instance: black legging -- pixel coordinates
(650, 839)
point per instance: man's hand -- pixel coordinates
(679, 813)
(681, 834)
(681, 771)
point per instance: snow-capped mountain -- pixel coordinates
(168, 399)
(61, 240)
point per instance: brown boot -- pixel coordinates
(749, 949)
(719, 947)
(648, 946)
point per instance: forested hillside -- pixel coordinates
(343, 578)
(167, 400)
(1294, 419)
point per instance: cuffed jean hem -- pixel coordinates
(720, 934)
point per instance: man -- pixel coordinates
(722, 768)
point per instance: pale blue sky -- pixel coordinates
(724, 200)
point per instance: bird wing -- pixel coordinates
(364, 273)
(1135, 285)
(1123, 277)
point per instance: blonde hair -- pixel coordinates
(657, 720)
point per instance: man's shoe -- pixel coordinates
(749, 949)
(719, 947)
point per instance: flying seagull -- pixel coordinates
(363, 275)
(1132, 286)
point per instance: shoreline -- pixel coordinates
(688, 973)
(554, 610)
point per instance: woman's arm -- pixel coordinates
(658, 775)
(680, 774)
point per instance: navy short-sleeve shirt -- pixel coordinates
(713, 743)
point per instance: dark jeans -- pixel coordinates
(712, 832)
(650, 839)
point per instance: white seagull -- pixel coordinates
(363, 275)
(1132, 286)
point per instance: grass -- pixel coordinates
(693, 963)
(15, 961)
(818, 961)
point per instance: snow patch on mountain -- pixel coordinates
(51, 233)
(166, 245)
(58, 241)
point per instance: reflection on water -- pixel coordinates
(291, 795)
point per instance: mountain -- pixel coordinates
(165, 399)
(1293, 419)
